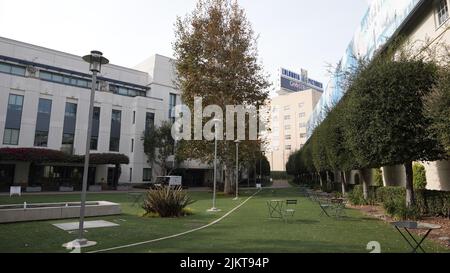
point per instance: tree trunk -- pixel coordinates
(344, 183)
(229, 180)
(410, 199)
(320, 179)
(365, 185)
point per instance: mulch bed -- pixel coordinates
(436, 235)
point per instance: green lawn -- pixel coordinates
(246, 230)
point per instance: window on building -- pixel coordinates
(67, 143)
(131, 174)
(12, 69)
(95, 128)
(172, 104)
(302, 115)
(287, 127)
(13, 120)
(71, 110)
(287, 108)
(302, 125)
(134, 117)
(132, 145)
(287, 117)
(70, 118)
(301, 105)
(302, 135)
(41, 139)
(11, 137)
(149, 121)
(288, 147)
(114, 141)
(43, 123)
(442, 11)
(288, 137)
(147, 176)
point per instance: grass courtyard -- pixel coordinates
(247, 230)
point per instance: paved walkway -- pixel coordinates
(280, 184)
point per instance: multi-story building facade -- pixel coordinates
(422, 24)
(290, 112)
(44, 102)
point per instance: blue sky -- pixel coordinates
(293, 33)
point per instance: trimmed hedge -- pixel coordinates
(428, 203)
(281, 175)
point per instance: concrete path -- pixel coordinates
(281, 184)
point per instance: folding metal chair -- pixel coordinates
(289, 210)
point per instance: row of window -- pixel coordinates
(288, 107)
(12, 69)
(69, 80)
(15, 106)
(300, 115)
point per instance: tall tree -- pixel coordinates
(385, 123)
(159, 146)
(217, 59)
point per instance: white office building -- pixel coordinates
(44, 103)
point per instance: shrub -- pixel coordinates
(419, 177)
(428, 203)
(167, 202)
(356, 196)
(378, 177)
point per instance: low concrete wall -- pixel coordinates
(54, 211)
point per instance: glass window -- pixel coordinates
(5, 68)
(71, 109)
(18, 70)
(172, 104)
(149, 121)
(131, 174)
(287, 108)
(132, 145)
(15, 102)
(94, 143)
(287, 127)
(302, 125)
(114, 144)
(147, 176)
(96, 113)
(442, 11)
(287, 137)
(11, 137)
(45, 106)
(302, 115)
(82, 83)
(45, 75)
(301, 105)
(41, 139)
(288, 147)
(302, 135)
(116, 115)
(57, 78)
(123, 91)
(287, 117)
(67, 143)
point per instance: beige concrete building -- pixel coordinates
(290, 112)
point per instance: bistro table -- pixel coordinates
(408, 225)
(275, 208)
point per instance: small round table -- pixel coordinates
(408, 225)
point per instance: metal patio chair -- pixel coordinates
(289, 209)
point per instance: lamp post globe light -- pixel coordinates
(237, 170)
(95, 60)
(214, 209)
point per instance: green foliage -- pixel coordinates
(438, 107)
(429, 203)
(280, 175)
(167, 202)
(419, 177)
(159, 145)
(385, 122)
(217, 59)
(378, 177)
(356, 196)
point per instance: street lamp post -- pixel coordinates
(214, 209)
(237, 170)
(96, 60)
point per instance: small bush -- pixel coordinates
(356, 196)
(378, 177)
(419, 176)
(167, 202)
